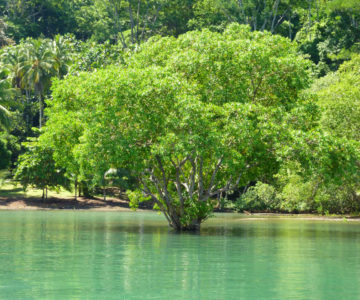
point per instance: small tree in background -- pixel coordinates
(37, 168)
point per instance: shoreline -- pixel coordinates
(117, 205)
(63, 203)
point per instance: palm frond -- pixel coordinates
(4, 117)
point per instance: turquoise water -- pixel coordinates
(118, 255)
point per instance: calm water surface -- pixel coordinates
(117, 255)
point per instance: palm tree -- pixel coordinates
(62, 57)
(5, 93)
(39, 67)
(12, 67)
(4, 113)
(4, 117)
(13, 59)
(4, 40)
(33, 63)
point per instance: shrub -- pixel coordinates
(260, 197)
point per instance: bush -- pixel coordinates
(296, 195)
(337, 199)
(260, 197)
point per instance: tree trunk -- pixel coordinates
(276, 4)
(290, 33)
(241, 4)
(309, 17)
(40, 111)
(317, 10)
(85, 190)
(132, 23)
(194, 225)
(75, 188)
(191, 202)
(27, 105)
(118, 26)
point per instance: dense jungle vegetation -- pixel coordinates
(190, 104)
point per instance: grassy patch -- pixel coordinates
(10, 189)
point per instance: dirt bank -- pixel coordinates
(19, 203)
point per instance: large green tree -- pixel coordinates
(339, 96)
(192, 117)
(321, 169)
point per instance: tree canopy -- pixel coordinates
(190, 117)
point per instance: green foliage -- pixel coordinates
(272, 15)
(326, 30)
(26, 70)
(4, 113)
(31, 65)
(333, 160)
(33, 18)
(90, 56)
(295, 194)
(182, 118)
(5, 153)
(339, 96)
(37, 168)
(136, 196)
(5, 94)
(119, 178)
(320, 170)
(343, 5)
(66, 128)
(330, 40)
(190, 117)
(248, 67)
(125, 21)
(337, 199)
(294, 191)
(260, 197)
(4, 39)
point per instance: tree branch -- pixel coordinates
(275, 7)
(192, 179)
(161, 206)
(131, 22)
(117, 24)
(212, 180)
(201, 179)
